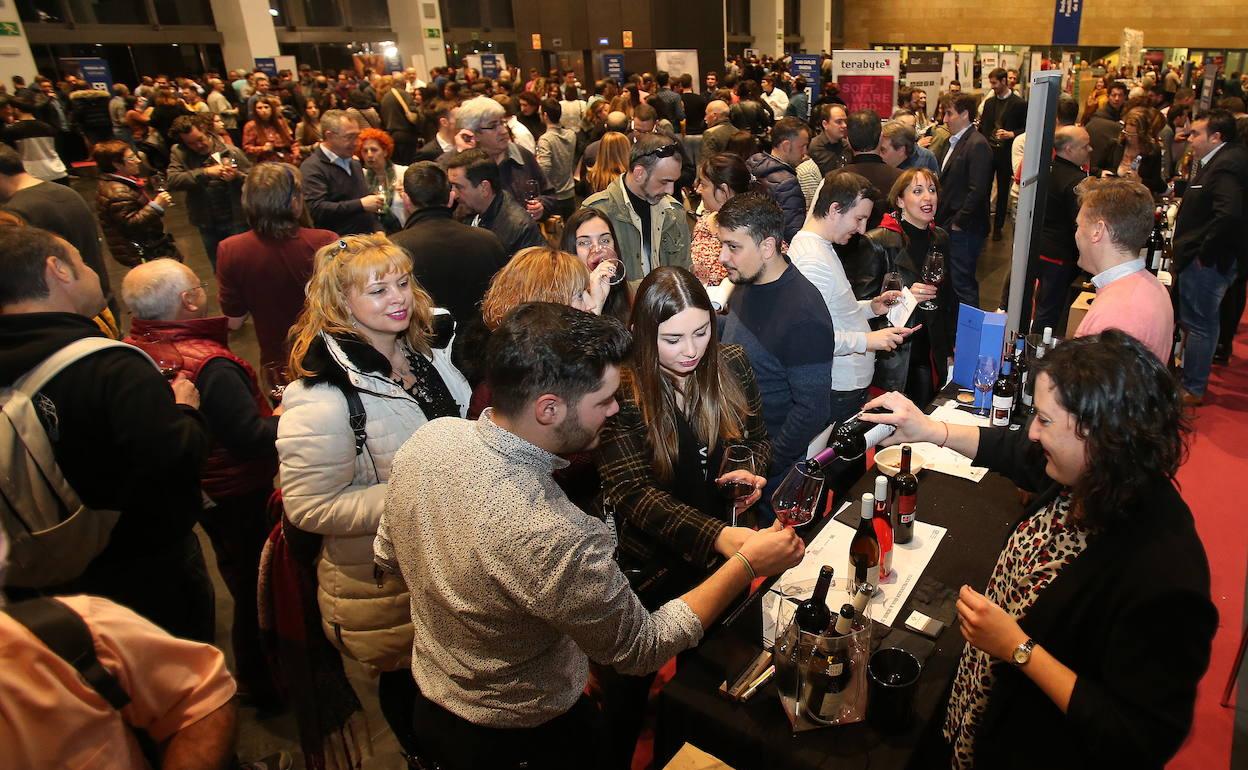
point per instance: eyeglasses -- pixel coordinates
(490, 126)
(666, 151)
(201, 285)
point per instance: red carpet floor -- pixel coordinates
(1219, 460)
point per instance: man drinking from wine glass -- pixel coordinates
(512, 588)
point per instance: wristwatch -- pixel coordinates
(1022, 653)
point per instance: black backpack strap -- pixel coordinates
(357, 418)
(65, 633)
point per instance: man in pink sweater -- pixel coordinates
(1114, 222)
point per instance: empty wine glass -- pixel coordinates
(159, 184)
(797, 498)
(933, 274)
(892, 282)
(737, 457)
(985, 377)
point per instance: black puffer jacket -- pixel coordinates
(134, 230)
(779, 179)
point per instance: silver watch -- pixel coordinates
(1022, 653)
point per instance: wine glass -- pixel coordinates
(163, 352)
(797, 498)
(532, 190)
(933, 274)
(277, 377)
(892, 282)
(985, 377)
(159, 184)
(737, 457)
(618, 274)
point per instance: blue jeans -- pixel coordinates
(963, 259)
(1201, 290)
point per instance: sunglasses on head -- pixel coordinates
(666, 151)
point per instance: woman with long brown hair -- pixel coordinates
(267, 137)
(612, 161)
(684, 398)
(1137, 153)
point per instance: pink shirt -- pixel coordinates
(1140, 306)
(51, 718)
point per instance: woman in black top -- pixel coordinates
(589, 235)
(1137, 153)
(683, 398)
(1086, 647)
(901, 243)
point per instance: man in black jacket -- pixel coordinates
(1210, 237)
(451, 260)
(863, 132)
(125, 440)
(965, 180)
(830, 150)
(1106, 123)
(443, 117)
(1057, 258)
(485, 204)
(334, 189)
(1004, 117)
(777, 170)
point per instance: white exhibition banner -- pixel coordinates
(677, 63)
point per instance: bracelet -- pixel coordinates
(946, 441)
(746, 562)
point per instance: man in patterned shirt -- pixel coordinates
(513, 588)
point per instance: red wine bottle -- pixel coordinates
(849, 441)
(813, 615)
(1003, 397)
(864, 549)
(829, 672)
(905, 500)
(883, 526)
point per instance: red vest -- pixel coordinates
(198, 341)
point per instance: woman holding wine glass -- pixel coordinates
(383, 176)
(589, 234)
(689, 408)
(1051, 675)
(904, 249)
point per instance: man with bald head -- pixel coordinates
(617, 122)
(1057, 261)
(170, 304)
(718, 128)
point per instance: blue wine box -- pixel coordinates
(979, 334)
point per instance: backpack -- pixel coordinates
(53, 535)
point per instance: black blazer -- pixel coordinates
(453, 261)
(1131, 617)
(333, 196)
(1213, 221)
(1057, 232)
(965, 181)
(1009, 113)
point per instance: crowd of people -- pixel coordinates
(508, 329)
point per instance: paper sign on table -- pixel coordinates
(832, 547)
(900, 313)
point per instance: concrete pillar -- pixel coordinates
(816, 28)
(767, 26)
(15, 55)
(411, 22)
(247, 32)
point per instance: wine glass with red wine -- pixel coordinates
(737, 457)
(797, 498)
(164, 353)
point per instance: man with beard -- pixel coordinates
(513, 588)
(780, 318)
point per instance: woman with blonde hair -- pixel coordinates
(367, 378)
(612, 161)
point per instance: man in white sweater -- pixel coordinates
(841, 208)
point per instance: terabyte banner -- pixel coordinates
(867, 79)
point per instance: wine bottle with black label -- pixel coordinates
(905, 500)
(813, 615)
(864, 549)
(883, 526)
(1003, 397)
(829, 672)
